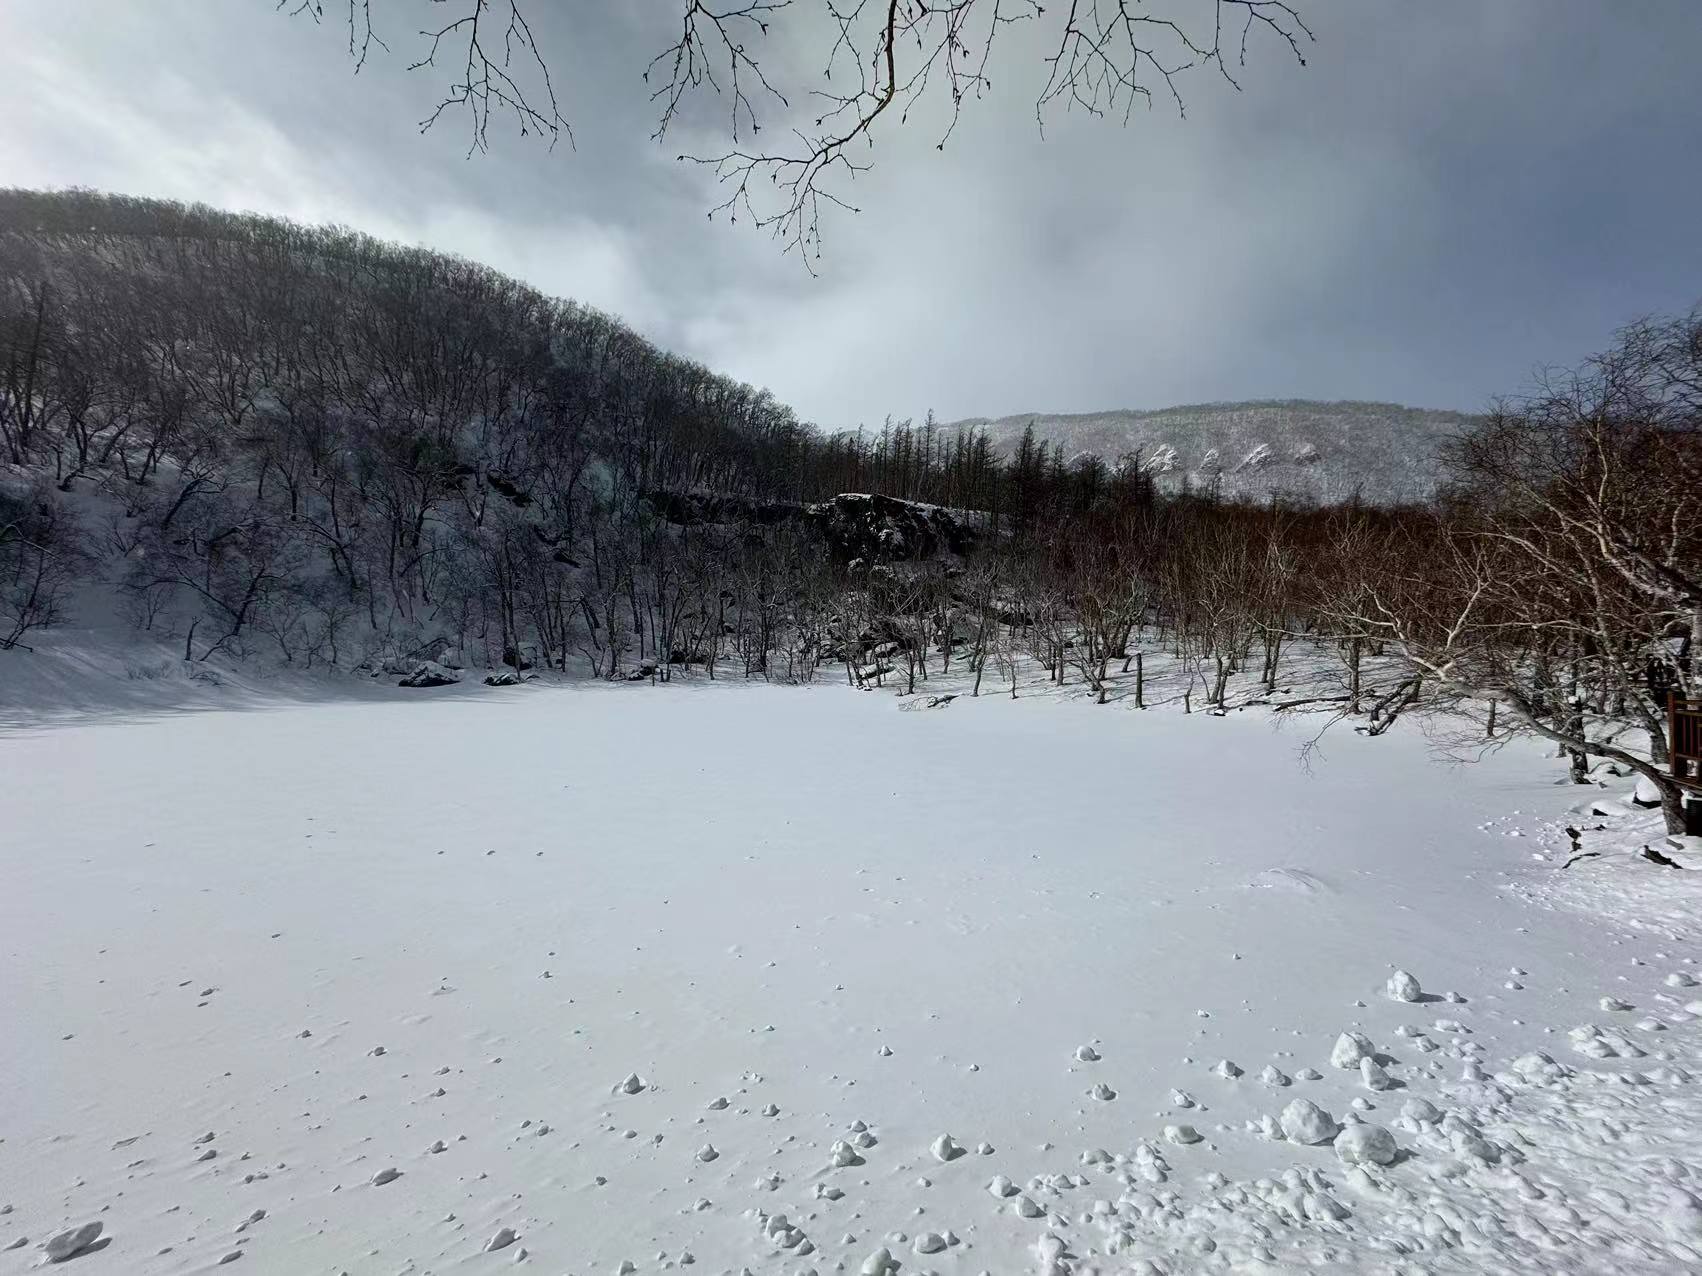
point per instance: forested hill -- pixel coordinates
(258, 434)
(1381, 453)
(216, 331)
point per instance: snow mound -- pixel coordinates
(1292, 881)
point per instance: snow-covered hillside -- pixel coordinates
(1327, 452)
(617, 979)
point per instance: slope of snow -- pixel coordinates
(1381, 452)
(615, 979)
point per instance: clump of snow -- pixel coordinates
(1349, 1049)
(1402, 987)
(71, 1242)
(843, 1154)
(1373, 1075)
(1364, 1143)
(1421, 1110)
(1305, 1122)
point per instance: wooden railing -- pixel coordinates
(1684, 739)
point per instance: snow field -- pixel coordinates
(620, 980)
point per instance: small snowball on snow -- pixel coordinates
(1227, 1069)
(631, 1085)
(879, 1263)
(1373, 1075)
(1305, 1122)
(1183, 1134)
(707, 1153)
(386, 1176)
(1681, 979)
(1359, 1144)
(1087, 1054)
(1349, 1049)
(1001, 1186)
(1103, 1092)
(505, 1236)
(1026, 1207)
(1310, 1074)
(1270, 1074)
(1402, 987)
(930, 1243)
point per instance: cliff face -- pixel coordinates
(853, 525)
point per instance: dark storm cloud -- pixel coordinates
(1447, 196)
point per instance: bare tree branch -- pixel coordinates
(489, 79)
(884, 60)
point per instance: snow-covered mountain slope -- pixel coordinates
(714, 977)
(1322, 451)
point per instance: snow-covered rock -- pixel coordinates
(429, 673)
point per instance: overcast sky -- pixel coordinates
(1448, 195)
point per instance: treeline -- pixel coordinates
(323, 448)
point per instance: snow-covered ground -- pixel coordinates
(787, 980)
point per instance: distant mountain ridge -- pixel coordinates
(1384, 453)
